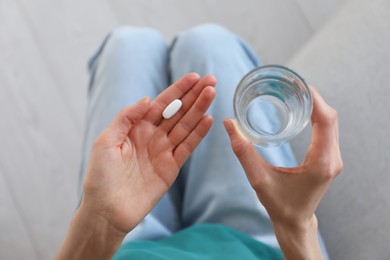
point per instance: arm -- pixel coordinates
(90, 237)
(291, 195)
(133, 164)
(299, 240)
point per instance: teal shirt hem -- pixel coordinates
(203, 241)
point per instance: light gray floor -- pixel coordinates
(44, 45)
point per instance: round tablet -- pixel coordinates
(172, 108)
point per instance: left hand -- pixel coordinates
(291, 195)
(138, 157)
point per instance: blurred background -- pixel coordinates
(340, 46)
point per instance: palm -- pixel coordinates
(129, 176)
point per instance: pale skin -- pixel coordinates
(291, 195)
(138, 157)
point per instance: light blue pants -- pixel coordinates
(212, 187)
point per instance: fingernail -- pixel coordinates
(227, 123)
(195, 74)
(145, 99)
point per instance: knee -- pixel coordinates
(205, 40)
(209, 31)
(125, 36)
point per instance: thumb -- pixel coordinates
(325, 125)
(250, 160)
(125, 119)
(324, 148)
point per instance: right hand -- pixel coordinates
(138, 156)
(133, 164)
(291, 195)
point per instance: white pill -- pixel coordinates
(172, 108)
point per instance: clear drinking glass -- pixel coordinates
(275, 92)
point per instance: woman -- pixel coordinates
(141, 192)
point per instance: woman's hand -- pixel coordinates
(133, 164)
(291, 195)
(137, 158)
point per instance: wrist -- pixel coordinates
(296, 225)
(90, 236)
(299, 239)
(98, 224)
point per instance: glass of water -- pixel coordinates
(272, 104)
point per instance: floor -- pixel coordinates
(44, 46)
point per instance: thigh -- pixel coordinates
(215, 186)
(130, 64)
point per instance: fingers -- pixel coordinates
(120, 126)
(324, 149)
(188, 100)
(189, 121)
(185, 148)
(250, 160)
(175, 91)
(325, 122)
